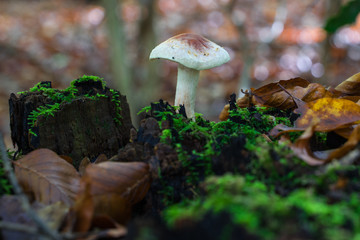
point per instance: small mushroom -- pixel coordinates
(193, 53)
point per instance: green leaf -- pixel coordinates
(346, 15)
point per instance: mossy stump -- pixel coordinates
(84, 120)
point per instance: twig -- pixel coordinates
(43, 227)
(18, 227)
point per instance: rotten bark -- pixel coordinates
(81, 128)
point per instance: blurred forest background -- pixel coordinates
(61, 40)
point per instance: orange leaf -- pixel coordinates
(333, 114)
(116, 186)
(47, 177)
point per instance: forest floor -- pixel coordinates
(282, 164)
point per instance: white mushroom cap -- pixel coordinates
(192, 51)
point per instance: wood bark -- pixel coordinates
(83, 127)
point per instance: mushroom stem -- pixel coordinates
(187, 81)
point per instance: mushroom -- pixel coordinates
(193, 53)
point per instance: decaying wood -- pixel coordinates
(81, 128)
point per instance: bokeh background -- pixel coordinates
(61, 40)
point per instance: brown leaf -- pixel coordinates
(81, 213)
(350, 86)
(224, 113)
(333, 114)
(116, 186)
(11, 211)
(113, 230)
(349, 145)
(330, 113)
(83, 164)
(281, 129)
(285, 94)
(281, 94)
(344, 132)
(101, 158)
(302, 147)
(54, 214)
(67, 158)
(47, 177)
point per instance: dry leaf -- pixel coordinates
(224, 113)
(274, 95)
(344, 132)
(285, 94)
(101, 158)
(114, 230)
(302, 147)
(333, 114)
(349, 145)
(330, 113)
(81, 213)
(350, 86)
(83, 164)
(47, 177)
(116, 186)
(11, 211)
(67, 158)
(54, 214)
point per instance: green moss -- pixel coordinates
(57, 97)
(264, 213)
(166, 136)
(212, 137)
(86, 78)
(5, 186)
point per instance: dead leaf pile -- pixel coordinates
(320, 109)
(101, 198)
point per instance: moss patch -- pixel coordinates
(81, 87)
(264, 213)
(233, 168)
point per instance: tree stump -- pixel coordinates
(84, 120)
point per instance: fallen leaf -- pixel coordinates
(54, 214)
(344, 132)
(67, 158)
(11, 211)
(281, 129)
(47, 177)
(224, 114)
(81, 213)
(350, 86)
(349, 145)
(333, 114)
(116, 186)
(281, 94)
(115, 232)
(101, 158)
(302, 149)
(285, 94)
(83, 164)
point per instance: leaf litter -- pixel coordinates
(102, 193)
